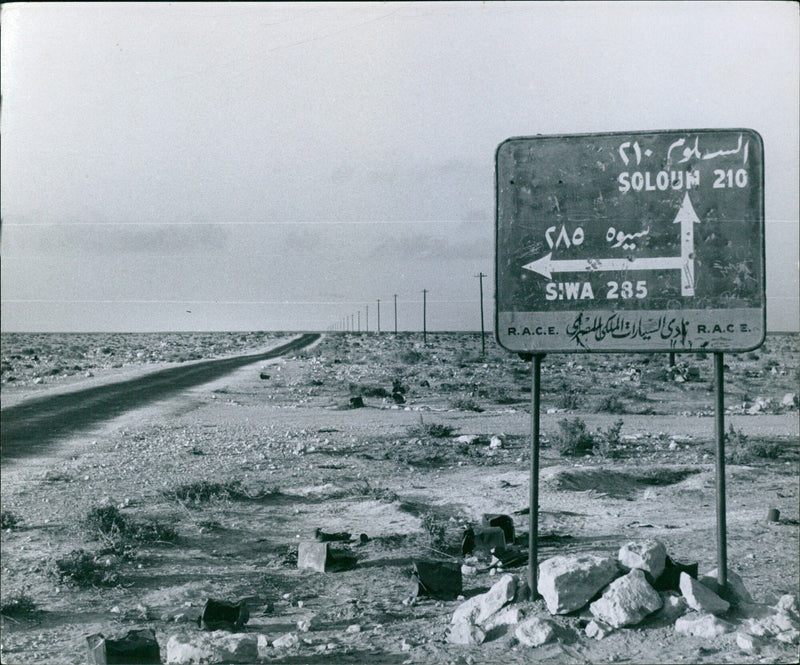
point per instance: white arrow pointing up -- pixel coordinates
(686, 217)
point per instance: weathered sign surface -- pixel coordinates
(641, 241)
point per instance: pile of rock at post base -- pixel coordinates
(609, 593)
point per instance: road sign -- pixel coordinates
(639, 241)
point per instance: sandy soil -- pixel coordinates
(302, 459)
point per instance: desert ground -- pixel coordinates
(212, 490)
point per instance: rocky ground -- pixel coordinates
(207, 495)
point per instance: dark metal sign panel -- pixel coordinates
(640, 241)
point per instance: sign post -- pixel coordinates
(631, 242)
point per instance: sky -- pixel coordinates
(270, 166)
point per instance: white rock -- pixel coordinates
(700, 597)
(534, 632)
(672, 606)
(468, 571)
(702, 625)
(779, 622)
(508, 616)
(468, 438)
(598, 629)
(308, 623)
(353, 628)
(747, 642)
(737, 591)
(465, 632)
(496, 442)
(479, 608)
(790, 636)
(626, 601)
(788, 605)
(789, 399)
(218, 646)
(263, 646)
(755, 610)
(648, 555)
(567, 583)
(285, 641)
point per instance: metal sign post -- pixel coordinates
(533, 515)
(719, 430)
(635, 242)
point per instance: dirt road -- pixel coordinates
(30, 427)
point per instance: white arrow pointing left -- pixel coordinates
(686, 217)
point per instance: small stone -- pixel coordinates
(215, 647)
(700, 597)
(789, 399)
(672, 606)
(702, 625)
(790, 636)
(508, 616)
(481, 607)
(308, 623)
(354, 628)
(468, 571)
(468, 439)
(747, 642)
(496, 442)
(788, 605)
(649, 556)
(465, 632)
(286, 641)
(534, 632)
(598, 629)
(262, 645)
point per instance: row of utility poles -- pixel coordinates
(352, 322)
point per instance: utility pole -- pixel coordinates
(367, 318)
(395, 314)
(359, 320)
(424, 316)
(483, 335)
(379, 316)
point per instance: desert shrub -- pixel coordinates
(435, 529)
(608, 441)
(107, 521)
(365, 390)
(502, 397)
(466, 404)
(410, 357)
(151, 531)
(201, 491)
(611, 404)
(83, 569)
(17, 605)
(8, 520)
(572, 437)
(435, 430)
(570, 399)
(741, 449)
(118, 531)
(364, 488)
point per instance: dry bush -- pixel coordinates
(572, 437)
(203, 491)
(17, 605)
(8, 520)
(84, 569)
(466, 404)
